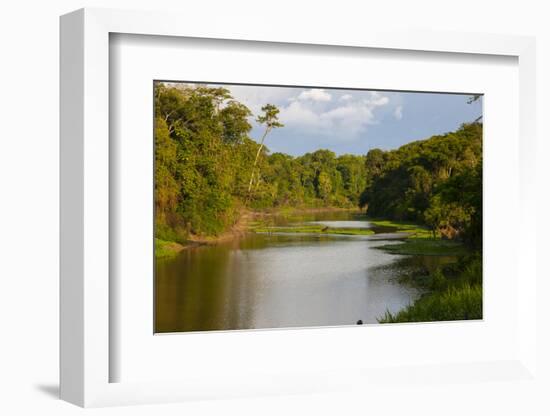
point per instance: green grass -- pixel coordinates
(166, 249)
(415, 230)
(420, 241)
(455, 303)
(452, 293)
(427, 247)
(314, 229)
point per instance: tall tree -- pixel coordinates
(270, 118)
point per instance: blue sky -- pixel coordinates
(352, 121)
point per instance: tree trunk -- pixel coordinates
(256, 159)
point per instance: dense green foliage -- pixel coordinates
(436, 182)
(197, 159)
(318, 179)
(207, 168)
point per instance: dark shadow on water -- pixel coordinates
(51, 390)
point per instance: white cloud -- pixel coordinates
(296, 113)
(377, 99)
(352, 113)
(314, 111)
(398, 112)
(315, 95)
(346, 118)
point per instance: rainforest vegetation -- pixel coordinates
(208, 169)
(209, 172)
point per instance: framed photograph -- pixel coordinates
(282, 207)
(267, 214)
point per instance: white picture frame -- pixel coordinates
(85, 217)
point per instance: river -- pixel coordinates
(283, 280)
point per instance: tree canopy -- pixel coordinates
(205, 157)
(437, 181)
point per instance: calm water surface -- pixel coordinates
(285, 280)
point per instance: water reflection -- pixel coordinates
(282, 280)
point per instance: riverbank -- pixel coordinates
(452, 293)
(314, 229)
(303, 210)
(167, 249)
(419, 241)
(436, 247)
(252, 221)
(164, 249)
(416, 239)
